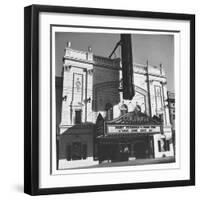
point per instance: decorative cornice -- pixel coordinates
(113, 64)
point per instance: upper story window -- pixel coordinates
(78, 116)
(109, 111)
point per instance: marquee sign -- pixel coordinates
(132, 129)
(135, 118)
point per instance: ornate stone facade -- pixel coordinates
(91, 83)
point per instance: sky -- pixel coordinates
(157, 49)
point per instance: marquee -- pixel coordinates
(132, 129)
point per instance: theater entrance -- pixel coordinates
(141, 150)
(124, 148)
(128, 137)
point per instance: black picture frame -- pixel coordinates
(31, 98)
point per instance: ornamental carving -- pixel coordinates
(90, 71)
(67, 67)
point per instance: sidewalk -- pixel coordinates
(138, 162)
(132, 162)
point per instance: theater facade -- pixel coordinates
(94, 122)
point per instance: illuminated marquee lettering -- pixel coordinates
(131, 129)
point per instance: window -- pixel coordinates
(76, 151)
(167, 145)
(109, 111)
(161, 117)
(159, 146)
(163, 145)
(78, 115)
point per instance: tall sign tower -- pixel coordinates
(127, 67)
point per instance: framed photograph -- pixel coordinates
(109, 99)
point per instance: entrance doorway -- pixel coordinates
(140, 150)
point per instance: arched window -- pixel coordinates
(109, 111)
(123, 109)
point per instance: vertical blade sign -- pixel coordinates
(127, 67)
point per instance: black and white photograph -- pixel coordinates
(109, 98)
(115, 99)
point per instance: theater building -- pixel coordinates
(95, 123)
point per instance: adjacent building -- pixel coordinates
(95, 123)
(171, 105)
